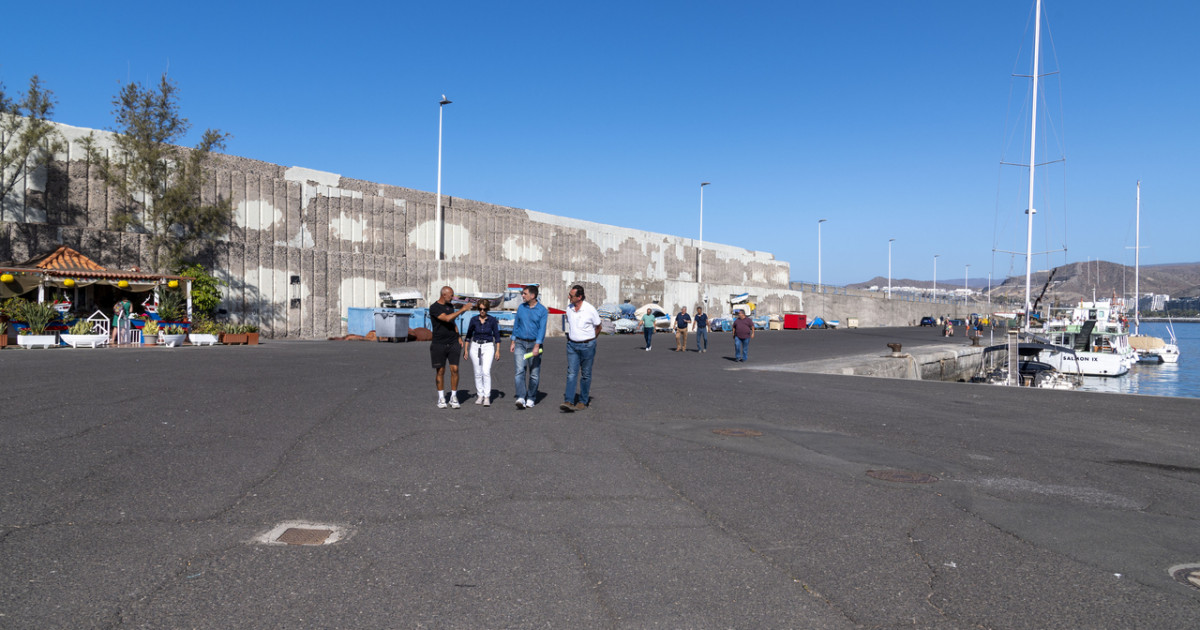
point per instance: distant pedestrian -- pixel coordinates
(529, 331)
(583, 326)
(648, 319)
(445, 346)
(682, 321)
(483, 347)
(701, 330)
(743, 332)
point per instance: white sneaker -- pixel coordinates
(487, 402)
(520, 403)
(441, 401)
(454, 401)
(529, 403)
(479, 400)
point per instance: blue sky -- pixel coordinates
(887, 118)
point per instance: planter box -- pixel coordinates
(172, 341)
(85, 341)
(34, 341)
(199, 339)
(234, 339)
(252, 339)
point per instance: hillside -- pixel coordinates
(1075, 281)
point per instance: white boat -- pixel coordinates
(1149, 349)
(1096, 334)
(1024, 360)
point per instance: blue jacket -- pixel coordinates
(531, 323)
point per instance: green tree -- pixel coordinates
(206, 289)
(159, 182)
(27, 139)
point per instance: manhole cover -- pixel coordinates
(303, 533)
(302, 536)
(1187, 574)
(901, 476)
(737, 432)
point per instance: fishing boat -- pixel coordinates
(1097, 335)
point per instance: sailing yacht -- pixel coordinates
(1149, 349)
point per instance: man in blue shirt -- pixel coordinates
(529, 331)
(701, 330)
(682, 321)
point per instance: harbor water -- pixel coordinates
(1162, 379)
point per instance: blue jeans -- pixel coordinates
(526, 368)
(579, 368)
(741, 348)
(701, 338)
(649, 332)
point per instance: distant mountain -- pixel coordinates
(1074, 281)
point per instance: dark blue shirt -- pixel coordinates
(483, 332)
(682, 320)
(702, 321)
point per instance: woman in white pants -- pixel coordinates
(483, 347)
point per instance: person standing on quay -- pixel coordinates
(529, 331)
(483, 346)
(743, 332)
(682, 321)
(583, 327)
(701, 330)
(648, 319)
(445, 346)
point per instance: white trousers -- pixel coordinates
(482, 355)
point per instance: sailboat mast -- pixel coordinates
(1137, 262)
(1029, 211)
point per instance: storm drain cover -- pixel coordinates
(1187, 573)
(737, 432)
(302, 536)
(303, 533)
(902, 476)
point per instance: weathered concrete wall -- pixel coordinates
(305, 245)
(875, 309)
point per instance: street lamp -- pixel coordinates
(441, 105)
(966, 285)
(890, 241)
(819, 222)
(700, 248)
(935, 257)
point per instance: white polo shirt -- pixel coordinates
(583, 325)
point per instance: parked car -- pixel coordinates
(928, 321)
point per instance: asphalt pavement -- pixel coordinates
(141, 488)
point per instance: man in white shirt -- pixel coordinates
(583, 326)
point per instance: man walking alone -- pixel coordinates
(583, 326)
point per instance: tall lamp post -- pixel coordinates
(966, 285)
(700, 249)
(819, 222)
(935, 257)
(441, 106)
(890, 241)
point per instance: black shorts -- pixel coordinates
(441, 353)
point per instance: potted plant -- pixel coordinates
(150, 333)
(233, 335)
(172, 336)
(251, 334)
(3, 333)
(37, 317)
(204, 332)
(9, 312)
(83, 334)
